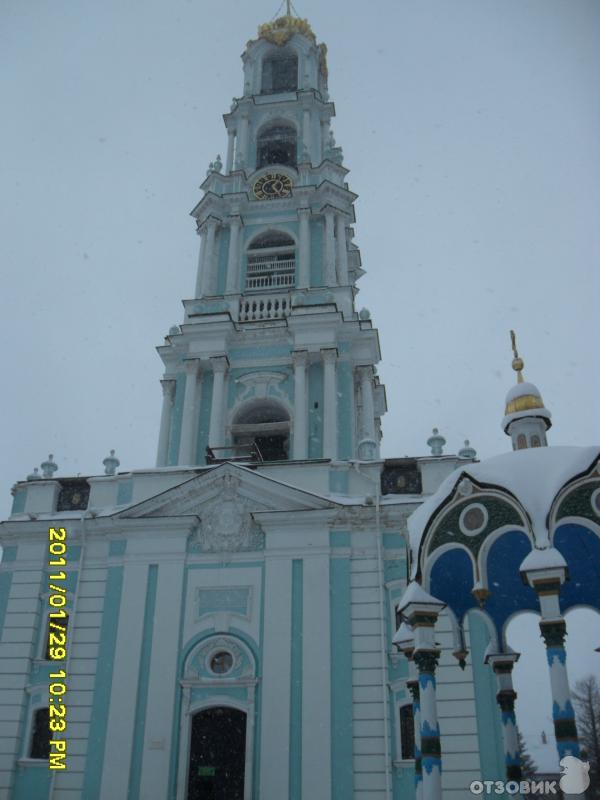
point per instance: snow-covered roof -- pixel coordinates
(542, 559)
(528, 412)
(414, 593)
(533, 475)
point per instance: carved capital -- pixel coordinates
(168, 388)
(300, 358)
(219, 363)
(506, 700)
(426, 661)
(554, 632)
(191, 366)
(329, 355)
(364, 373)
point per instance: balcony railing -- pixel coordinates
(264, 307)
(269, 272)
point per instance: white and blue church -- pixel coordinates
(274, 611)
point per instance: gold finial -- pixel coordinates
(517, 362)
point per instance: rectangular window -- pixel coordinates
(407, 732)
(40, 735)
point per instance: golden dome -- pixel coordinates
(524, 402)
(281, 30)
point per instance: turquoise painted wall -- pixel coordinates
(204, 416)
(125, 492)
(315, 415)
(295, 764)
(103, 684)
(489, 725)
(5, 584)
(141, 702)
(18, 504)
(222, 256)
(345, 388)
(342, 776)
(316, 252)
(32, 783)
(175, 433)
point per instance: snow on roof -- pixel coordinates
(548, 558)
(534, 476)
(528, 412)
(414, 593)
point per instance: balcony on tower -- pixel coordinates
(271, 262)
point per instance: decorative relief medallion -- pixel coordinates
(226, 522)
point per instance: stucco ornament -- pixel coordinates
(227, 523)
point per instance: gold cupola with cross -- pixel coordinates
(526, 419)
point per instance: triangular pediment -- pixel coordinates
(227, 482)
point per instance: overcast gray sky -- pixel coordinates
(471, 130)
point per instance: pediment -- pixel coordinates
(226, 482)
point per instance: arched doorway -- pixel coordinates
(217, 754)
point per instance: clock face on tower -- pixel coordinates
(272, 186)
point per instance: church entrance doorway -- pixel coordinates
(217, 754)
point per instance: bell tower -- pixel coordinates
(272, 361)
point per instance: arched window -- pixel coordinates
(277, 145)
(280, 72)
(266, 425)
(40, 734)
(521, 442)
(535, 441)
(271, 261)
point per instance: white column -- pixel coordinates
(216, 433)
(329, 276)
(201, 258)
(306, 137)
(324, 125)
(413, 686)
(168, 388)
(230, 146)
(186, 444)
(330, 403)
(233, 263)
(242, 148)
(502, 664)
(304, 246)
(342, 251)
(207, 268)
(300, 359)
(367, 445)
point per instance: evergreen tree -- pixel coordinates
(528, 765)
(586, 697)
